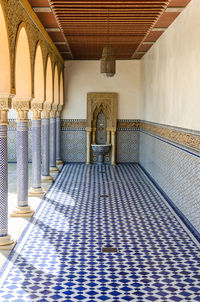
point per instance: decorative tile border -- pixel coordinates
(128, 124)
(73, 124)
(80, 124)
(181, 136)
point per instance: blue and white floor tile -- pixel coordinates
(59, 256)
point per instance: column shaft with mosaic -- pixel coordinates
(46, 177)
(58, 133)
(36, 189)
(52, 130)
(22, 107)
(5, 240)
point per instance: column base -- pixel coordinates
(59, 162)
(6, 243)
(47, 179)
(54, 169)
(22, 212)
(36, 192)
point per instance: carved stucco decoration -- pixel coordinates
(96, 101)
(22, 106)
(15, 14)
(184, 138)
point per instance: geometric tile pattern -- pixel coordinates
(127, 146)
(3, 181)
(73, 145)
(12, 155)
(58, 156)
(177, 172)
(52, 141)
(59, 257)
(36, 153)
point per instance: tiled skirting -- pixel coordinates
(73, 141)
(176, 169)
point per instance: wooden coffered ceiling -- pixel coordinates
(79, 27)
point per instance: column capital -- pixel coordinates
(53, 110)
(46, 110)
(36, 109)
(22, 106)
(5, 105)
(59, 109)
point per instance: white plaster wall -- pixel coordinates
(82, 77)
(171, 73)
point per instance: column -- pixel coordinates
(46, 177)
(36, 189)
(58, 134)
(88, 146)
(5, 240)
(113, 142)
(108, 136)
(22, 108)
(52, 134)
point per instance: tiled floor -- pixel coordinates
(59, 257)
(17, 225)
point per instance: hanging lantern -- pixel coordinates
(108, 58)
(108, 61)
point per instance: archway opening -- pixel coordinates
(39, 75)
(56, 86)
(22, 65)
(49, 86)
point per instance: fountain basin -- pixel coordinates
(100, 151)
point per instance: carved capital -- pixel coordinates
(22, 107)
(54, 107)
(59, 109)
(36, 108)
(5, 105)
(53, 110)
(46, 110)
(53, 113)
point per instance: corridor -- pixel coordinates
(59, 256)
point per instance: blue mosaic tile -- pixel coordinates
(176, 171)
(59, 257)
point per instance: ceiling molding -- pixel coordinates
(42, 9)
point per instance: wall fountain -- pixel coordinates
(101, 125)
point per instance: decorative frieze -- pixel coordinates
(181, 136)
(128, 124)
(77, 124)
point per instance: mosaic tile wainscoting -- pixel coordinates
(73, 141)
(172, 158)
(128, 141)
(12, 128)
